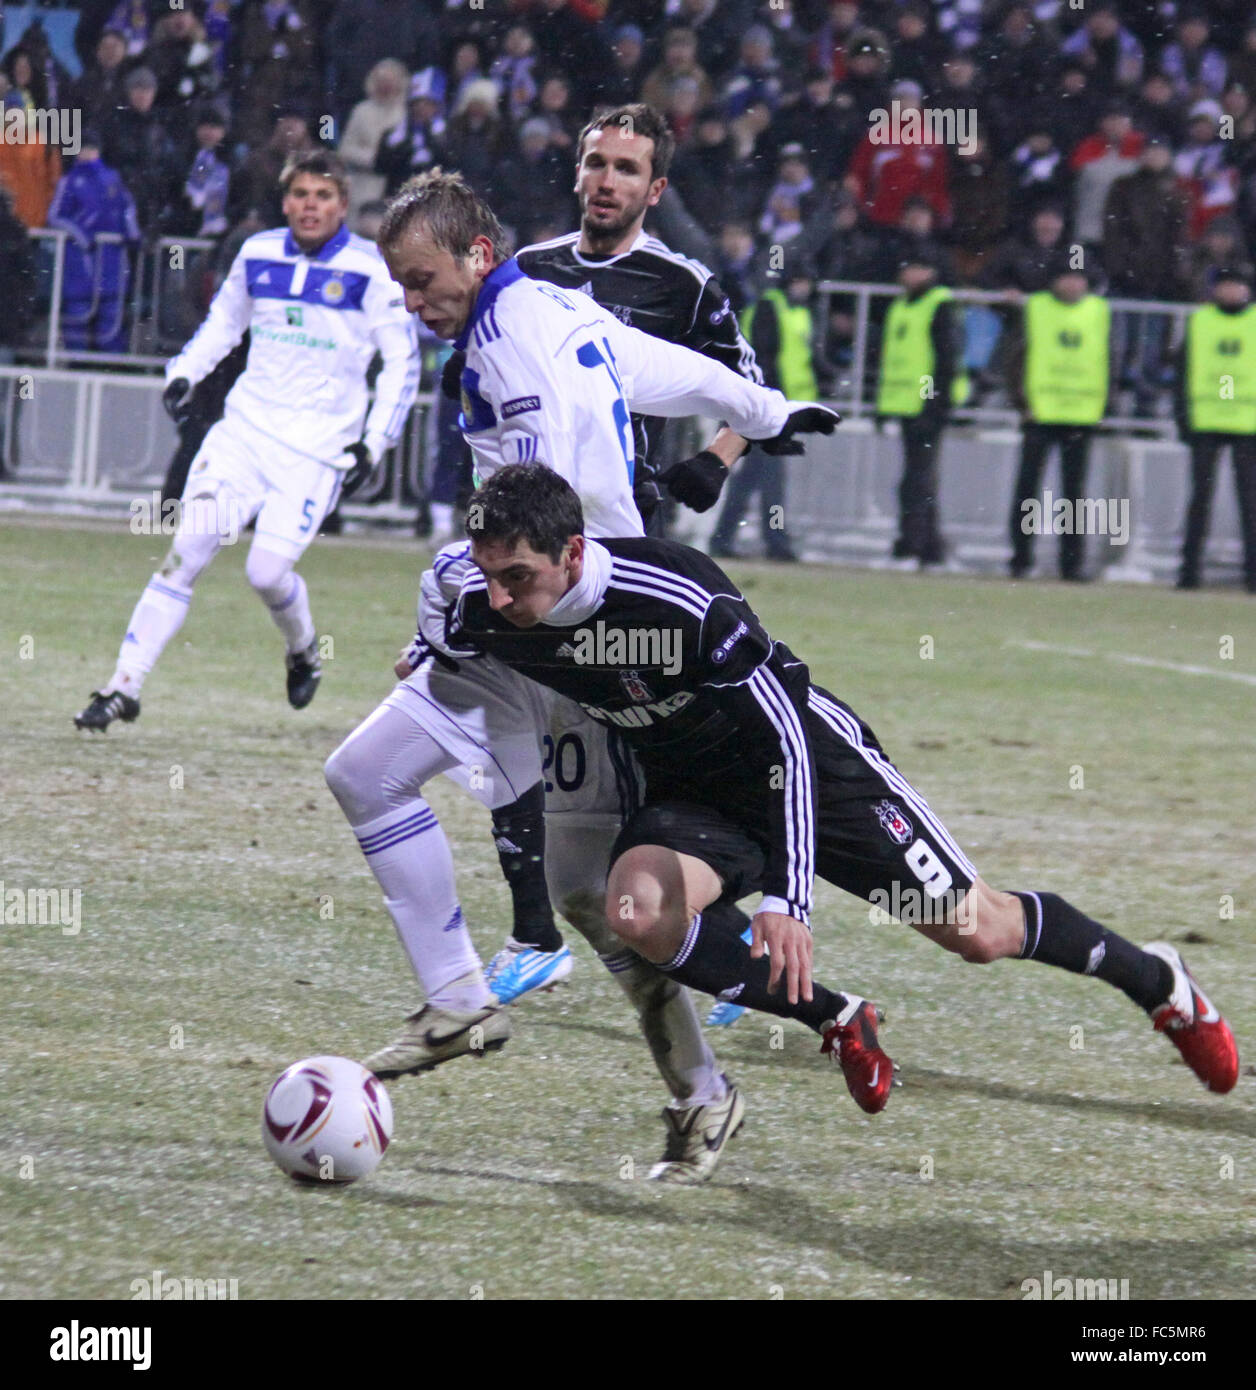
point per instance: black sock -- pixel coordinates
(519, 833)
(714, 959)
(1057, 934)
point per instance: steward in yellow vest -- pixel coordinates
(781, 331)
(921, 377)
(1216, 410)
(1060, 382)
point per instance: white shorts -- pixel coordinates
(508, 733)
(289, 493)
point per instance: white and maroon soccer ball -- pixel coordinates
(327, 1119)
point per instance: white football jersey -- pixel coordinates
(551, 377)
(315, 323)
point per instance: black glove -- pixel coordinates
(697, 482)
(176, 398)
(807, 419)
(362, 469)
(451, 376)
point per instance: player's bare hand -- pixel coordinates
(402, 667)
(788, 945)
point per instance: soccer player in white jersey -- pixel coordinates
(549, 377)
(296, 433)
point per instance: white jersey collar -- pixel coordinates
(585, 596)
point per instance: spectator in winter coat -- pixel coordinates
(827, 130)
(514, 71)
(1221, 245)
(1024, 263)
(532, 186)
(208, 181)
(183, 63)
(1108, 51)
(29, 168)
(702, 171)
(1070, 108)
(886, 172)
(1101, 159)
(139, 146)
(278, 64)
(1203, 164)
(475, 138)
(680, 59)
(101, 90)
(255, 190)
(90, 200)
(417, 142)
(1145, 221)
(756, 77)
(370, 120)
(979, 208)
(623, 76)
(1157, 110)
(1192, 64)
(1039, 173)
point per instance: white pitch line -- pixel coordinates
(1179, 667)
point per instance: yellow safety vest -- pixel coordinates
(907, 358)
(1221, 370)
(1066, 359)
(798, 378)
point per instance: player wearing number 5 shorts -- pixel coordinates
(549, 376)
(756, 778)
(296, 433)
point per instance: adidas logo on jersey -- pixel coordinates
(566, 650)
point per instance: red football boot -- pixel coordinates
(851, 1041)
(1194, 1026)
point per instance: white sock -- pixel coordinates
(158, 615)
(409, 856)
(292, 615)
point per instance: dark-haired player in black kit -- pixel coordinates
(756, 778)
(624, 156)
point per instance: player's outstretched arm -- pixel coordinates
(392, 331)
(224, 326)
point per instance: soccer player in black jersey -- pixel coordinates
(756, 778)
(624, 157)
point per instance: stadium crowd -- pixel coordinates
(1129, 129)
(1126, 130)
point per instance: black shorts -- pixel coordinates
(875, 834)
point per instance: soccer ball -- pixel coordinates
(327, 1119)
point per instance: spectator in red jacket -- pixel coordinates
(885, 173)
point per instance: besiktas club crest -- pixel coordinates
(894, 822)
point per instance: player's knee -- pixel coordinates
(351, 780)
(269, 575)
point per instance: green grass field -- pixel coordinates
(1041, 1124)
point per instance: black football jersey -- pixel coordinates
(655, 289)
(674, 658)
